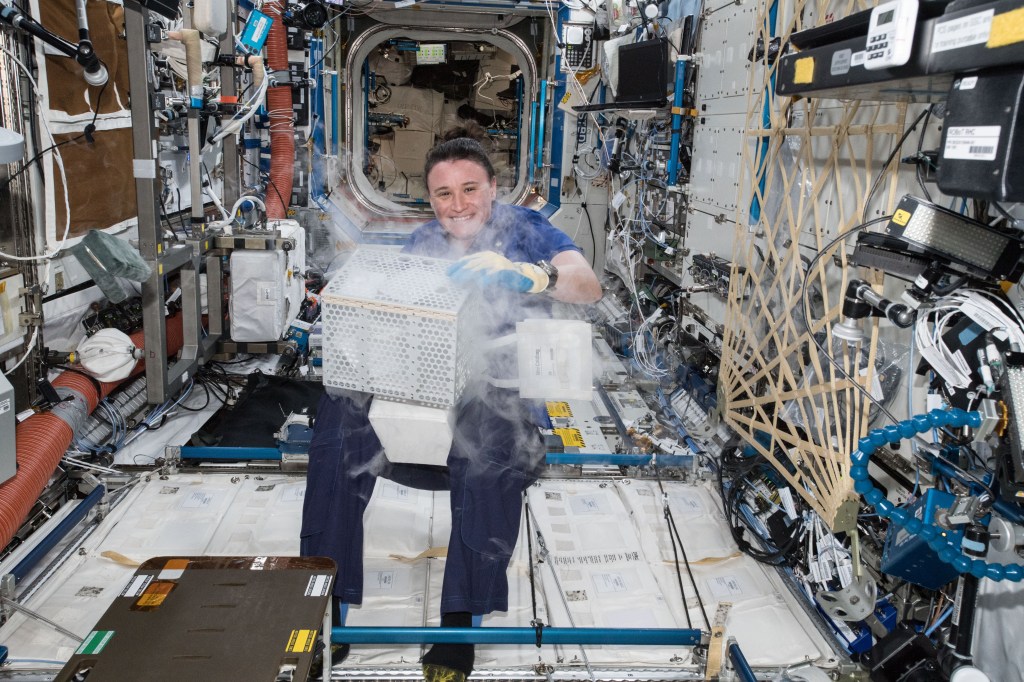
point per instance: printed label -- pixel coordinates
(725, 586)
(197, 499)
(587, 504)
(971, 30)
(258, 563)
(972, 143)
(968, 83)
(609, 582)
(786, 497)
(154, 595)
(95, 642)
(901, 217)
(857, 59)
(301, 641)
(559, 410)
(173, 569)
(266, 293)
(687, 503)
(597, 559)
(570, 437)
(841, 61)
(294, 493)
(136, 586)
(392, 491)
(318, 586)
(385, 580)
(5, 405)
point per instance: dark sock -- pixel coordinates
(455, 656)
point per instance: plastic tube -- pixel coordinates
(42, 439)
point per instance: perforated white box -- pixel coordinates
(392, 327)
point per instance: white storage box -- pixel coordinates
(413, 434)
(267, 287)
(394, 326)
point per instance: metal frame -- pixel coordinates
(163, 379)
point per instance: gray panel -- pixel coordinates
(727, 37)
(718, 164)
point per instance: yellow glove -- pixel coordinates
(488, 268)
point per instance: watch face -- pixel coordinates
(551, 271)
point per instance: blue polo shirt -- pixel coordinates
(518, 233)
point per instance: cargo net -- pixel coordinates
(392, 328)
(813, 170)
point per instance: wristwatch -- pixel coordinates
(552, 273)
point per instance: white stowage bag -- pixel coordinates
(555, 359)
(267, 287)
(413, 434)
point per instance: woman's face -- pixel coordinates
(461, 195)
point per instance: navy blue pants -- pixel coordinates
(496, 454)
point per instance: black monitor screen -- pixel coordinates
(643, 71)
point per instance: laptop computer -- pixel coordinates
(642, 78)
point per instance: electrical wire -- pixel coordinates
(732, 498)
(677, 541)
(892, 155)
(54, 148)
(806, 308)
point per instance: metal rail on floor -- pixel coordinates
(520, 635)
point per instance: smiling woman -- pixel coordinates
(461, 193)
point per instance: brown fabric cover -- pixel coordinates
(102, 184)
(64, 74)
(100, 177)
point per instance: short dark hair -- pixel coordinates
(461, 143)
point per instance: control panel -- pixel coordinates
(578, 50)
(890, 34)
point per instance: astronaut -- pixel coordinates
(521, 262)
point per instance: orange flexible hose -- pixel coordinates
(279, 106)
(42, 439)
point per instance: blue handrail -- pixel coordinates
(54, 537)
(521, 635)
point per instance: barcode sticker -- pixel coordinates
(137, 585)
(972, 143)
(318, 586)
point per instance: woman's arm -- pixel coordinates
(577, 282)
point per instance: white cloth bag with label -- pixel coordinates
(555, 359)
